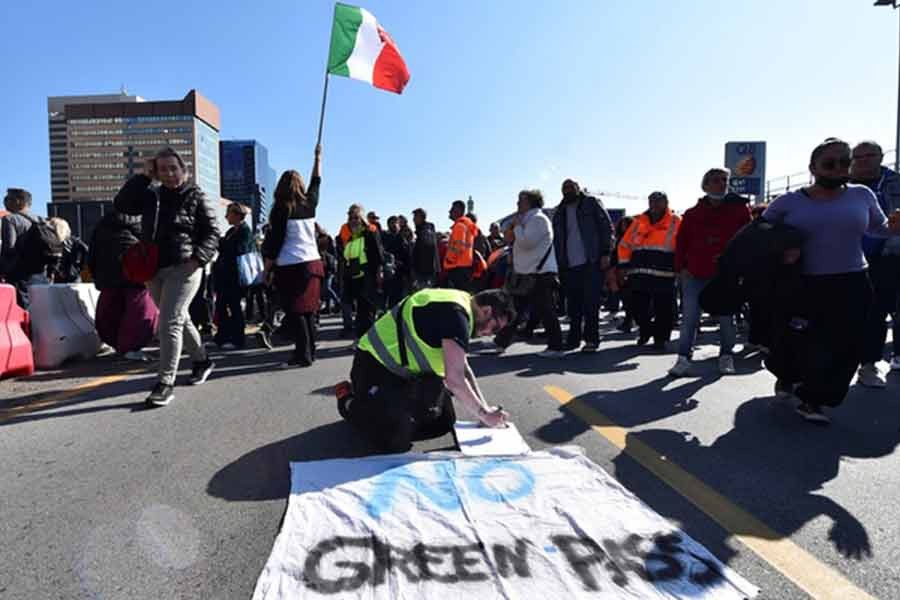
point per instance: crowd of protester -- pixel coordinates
(818, 310)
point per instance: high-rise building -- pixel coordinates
(98, 142)
(247, 177)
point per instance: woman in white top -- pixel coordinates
(291, 254)
(531, 234)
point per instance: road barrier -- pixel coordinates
(62, 317)
(15, 348)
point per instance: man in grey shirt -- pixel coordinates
(582, 239)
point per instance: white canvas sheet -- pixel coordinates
(548, 524)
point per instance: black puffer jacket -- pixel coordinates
(187, 225)
(114, 234)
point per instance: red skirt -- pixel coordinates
(299, 286)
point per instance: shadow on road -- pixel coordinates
(263, 474)
(774, 466)
(628, 408)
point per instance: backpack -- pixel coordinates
(37, 249)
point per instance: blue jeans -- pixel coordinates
(582, 286)
(690, 319)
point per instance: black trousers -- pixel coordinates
(884, 272)
(460, 278)
(820, 342)
(393, 411)
(358, 293)
(542, 302)
(653, 312)
(304, 330)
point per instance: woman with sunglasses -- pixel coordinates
(837, 295)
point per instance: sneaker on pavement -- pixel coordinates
(726, 364)
(895, 363)
(264, 339)
(227, 346)
(161, 395)
(682, 367)
(293, 364)
(493, 350)
(643, 338)
(200, 371)
(590, 347)
(136, 355)
(870, 376)
(813, 414)
(548, 353)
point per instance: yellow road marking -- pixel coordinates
(806, 571)
(61, 397)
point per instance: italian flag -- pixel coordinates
(361, 49)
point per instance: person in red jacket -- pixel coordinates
(705, 230)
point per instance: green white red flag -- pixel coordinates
(361, 49)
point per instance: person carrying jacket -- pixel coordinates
(126, 316)
(412, 361)
(460, 248)
(363, 258)
(181, 220)
(647, 255)
(705, 231)
(582, 239)
(883, 256)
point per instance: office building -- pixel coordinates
(247, 177)
(98, 142)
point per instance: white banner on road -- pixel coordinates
(548, 524)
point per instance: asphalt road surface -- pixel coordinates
(102, 499)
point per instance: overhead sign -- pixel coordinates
(747, 163)
(548, 524)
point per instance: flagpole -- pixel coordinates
(322, 114)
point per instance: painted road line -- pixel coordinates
(806, 571)
(60, 398)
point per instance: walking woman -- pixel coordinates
(836, 292)
(291, 254)
(238, 241)
(179, 218)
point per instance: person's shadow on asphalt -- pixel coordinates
(264, 473)
(771, 464)
(627, 408)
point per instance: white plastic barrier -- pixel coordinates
(62, 323)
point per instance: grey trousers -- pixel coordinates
(172, 289)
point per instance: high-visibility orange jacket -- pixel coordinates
(345, 234)
(648, 249)
(460, 248)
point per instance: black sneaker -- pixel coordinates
(294, 364)
(813, 414)
(200, 371)
(643, 339)
(265, 340)
(161, 395)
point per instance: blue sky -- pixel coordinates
(623, 96)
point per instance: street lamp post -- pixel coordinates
(895, 4)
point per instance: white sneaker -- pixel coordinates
(726, 364)
(682, 367)
(136, 355)
(895, 363)
(870, 376)
(548, 353)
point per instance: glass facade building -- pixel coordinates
(247, 177)
(98, 142)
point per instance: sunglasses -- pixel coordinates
(829, 164)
